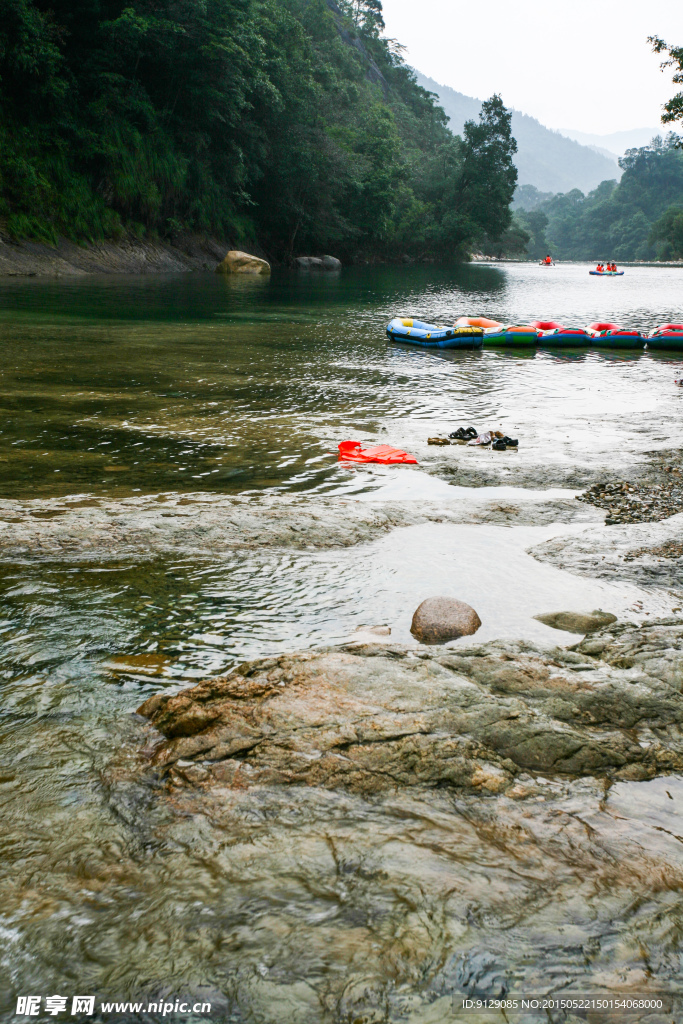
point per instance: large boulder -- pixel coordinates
(237, 262)
(318, 263)
(439, 619)
(575, 622)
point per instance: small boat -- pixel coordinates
(606, 273)
(613, 336)
(666, 337)
(416, 332)
(554, 334)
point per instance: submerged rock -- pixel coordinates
(237, 262)
(575, 622)
(439, 619)
(373, 718)
(201, 524)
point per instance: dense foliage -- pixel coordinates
(673, 109)
(288, 122)
(625, 221)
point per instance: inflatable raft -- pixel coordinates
(495, 333)
(667, 337)
(416, 332)
(472, 332)
(606, 273)
(553, 334)
(612, 336)
(511, 336)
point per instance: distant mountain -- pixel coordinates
(546, 159)
(616, 143)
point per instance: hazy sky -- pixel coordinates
(581, 65)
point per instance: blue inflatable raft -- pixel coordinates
(416, 332)
(606, 273)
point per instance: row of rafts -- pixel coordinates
(473, 332)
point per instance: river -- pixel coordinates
(128, 396)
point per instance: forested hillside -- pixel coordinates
(288, 123)
(640, 218)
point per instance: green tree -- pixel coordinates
(668, 232)
(489, 177)
(293, 123)
(673, 109)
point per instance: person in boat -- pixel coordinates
(600, 268)
(613, 267)
(548, 260)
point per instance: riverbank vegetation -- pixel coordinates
(635, 219)
(289, 124)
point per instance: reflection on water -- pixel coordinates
(187, 382)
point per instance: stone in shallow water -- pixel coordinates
(439, 619)
(575, 622)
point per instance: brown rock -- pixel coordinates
(237, 262)
(574, 622)
(375, 717)
(439, 619)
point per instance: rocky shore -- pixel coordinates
(127, 256)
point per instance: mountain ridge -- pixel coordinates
(547, 159)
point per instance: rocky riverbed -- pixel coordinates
(85, 527)
(653, 491)
(473, 821)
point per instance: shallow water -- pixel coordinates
(296, 906)
(187, 382)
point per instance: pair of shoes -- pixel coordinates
(499, 445)
(481, 439)
(510, 442)
(463, 433)
(438, 440)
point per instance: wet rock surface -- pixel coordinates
(650, 555)
(492, 820)
(379, 717)
(86, 527)
(439, 619)
(575, 622)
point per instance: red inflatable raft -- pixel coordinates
(351, 451)
(666, 336)
(615, 336)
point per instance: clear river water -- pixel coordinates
(116, 388)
